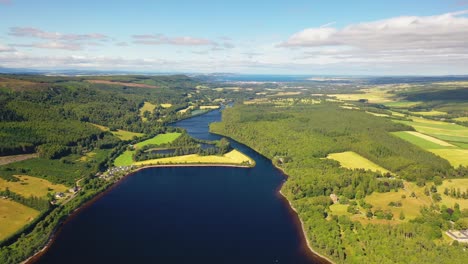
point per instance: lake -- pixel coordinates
(187, 215)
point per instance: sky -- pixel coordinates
(316, 37)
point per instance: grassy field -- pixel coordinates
(121, 134)
(410, 205)
(402, 104)
(147, 106)
(14, 216)
(126, 158)
(448, 140)
(461, 119)
(352, 160)
(429, 113)
(66, 170)
(423, 141)
(204, 107)
(233, 157)
(373, 95)
(454, 183)
(32, 186)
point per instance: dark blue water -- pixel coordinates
(187, 215)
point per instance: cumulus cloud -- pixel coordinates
(408, 32)
(160, 39)
(407, 39)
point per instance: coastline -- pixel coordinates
(304, 234)
(309, 246)
(36, 256)
(291, 207)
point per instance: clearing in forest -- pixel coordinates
(121, 134)
(147, 106)
(352, 160)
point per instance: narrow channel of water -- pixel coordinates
(187, 215)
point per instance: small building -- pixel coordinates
(59, 195)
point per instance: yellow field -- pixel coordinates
(456, 157)
(376, 114)
(373, 95)
(126, 135)
(166, 105)
(28, 186)
(352, 160)
(431, 139)
(233, 157)
(121, 134)
(14, 216)
(429, 113)
(204, 107)
(454, 183)
(147, 106)
(461, 119)
(410, 205)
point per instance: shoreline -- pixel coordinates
(36, 256)
(302, 226)
(291, 207)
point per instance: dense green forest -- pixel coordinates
(298, 138)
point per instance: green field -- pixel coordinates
(418, 141)
(64, 171)
(31, 186)
(454, 136)
(147, 106)
(352, 160)
(121, 134)
(14, 216)
(454, 183)
(126, 158)
(429, 113)
(401, 104)
(232, 157)
(461, 119)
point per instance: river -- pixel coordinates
(187, 215)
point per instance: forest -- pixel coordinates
(299, 137)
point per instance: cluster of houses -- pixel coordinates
(115, 171)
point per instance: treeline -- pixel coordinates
(183, 145)
(299, 138)
(34, 202)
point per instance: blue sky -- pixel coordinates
(276, 37)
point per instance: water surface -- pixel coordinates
(187, 215)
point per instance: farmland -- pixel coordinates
(121, 134)
(352, 160)
(441, 138)
(31, 186)
(14, 216)
(126, 159)
(232, 157)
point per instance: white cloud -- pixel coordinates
(4, 48)
(159, 39)
(54, 45)
(408, 32)
(38, 33)
(399, 41)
